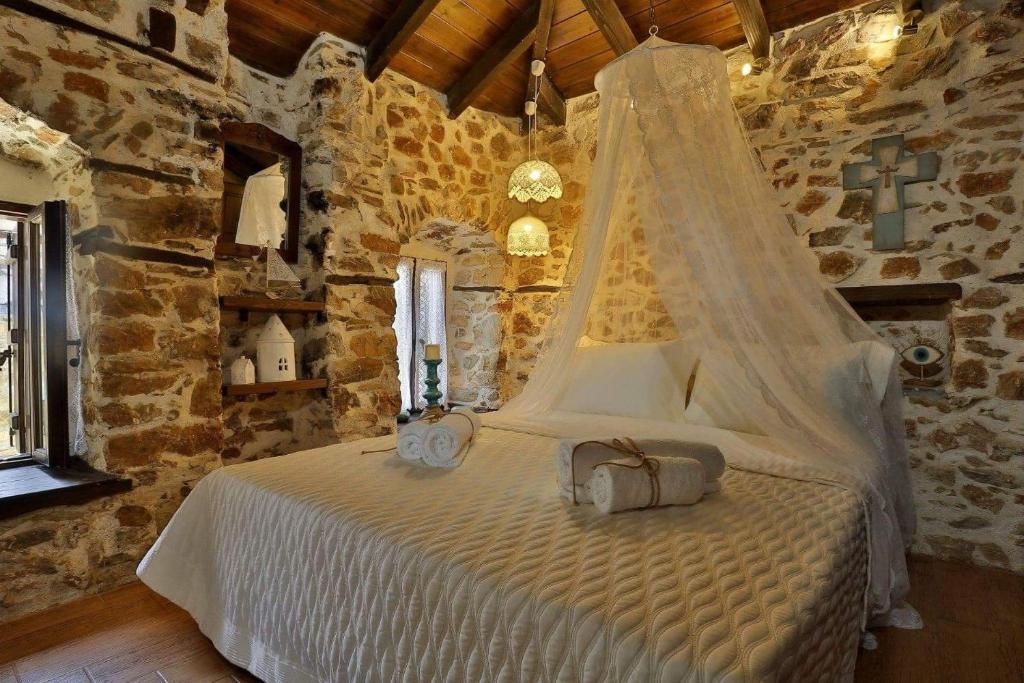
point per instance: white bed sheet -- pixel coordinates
(328, 565)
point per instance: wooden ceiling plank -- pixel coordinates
(755, 27)
(612, 25)
(396, 31)
(515, 41)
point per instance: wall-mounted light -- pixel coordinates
(755, 67)
(910, 19)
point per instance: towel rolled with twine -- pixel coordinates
(589, 453)
(410, 440)
(447, 440)
(638, 483)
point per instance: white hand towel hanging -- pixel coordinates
(261, 219)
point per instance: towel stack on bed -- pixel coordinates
(622, 474)
(439, 444)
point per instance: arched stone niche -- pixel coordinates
(475, 300)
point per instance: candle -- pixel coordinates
(432, 352)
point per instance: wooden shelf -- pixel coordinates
(902, 295)
(274, 387)
(246, 304)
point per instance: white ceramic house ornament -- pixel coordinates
(275, 352)
(243, 371)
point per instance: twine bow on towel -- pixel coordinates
(627, 447)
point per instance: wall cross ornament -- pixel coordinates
(888, 171)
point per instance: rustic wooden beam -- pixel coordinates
(608, 17)
(101, 239)
(549, 97)
(755, 26)
(545, 16)
(515, 41)
(395, 33)
(552, 100)
(903, 295)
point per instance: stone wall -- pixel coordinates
(386, 167)
(151, 374)
(382, 165)
(954, 87)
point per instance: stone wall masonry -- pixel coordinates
(954, 87)
(383, 166)
(200, 26)
(151, 372)
(390, 168)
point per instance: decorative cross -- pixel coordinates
(886, 174)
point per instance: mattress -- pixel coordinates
(333, 565)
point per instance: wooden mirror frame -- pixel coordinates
(258, 136)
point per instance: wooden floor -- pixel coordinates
(974, 631)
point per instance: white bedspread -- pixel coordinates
(328, 565)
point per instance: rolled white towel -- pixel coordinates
(615, 488)
(587, 455)
(590, 454)
(410, 440)
(446, 440)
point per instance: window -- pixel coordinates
(420, 320)
(34, 348)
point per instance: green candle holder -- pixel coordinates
(432, 394)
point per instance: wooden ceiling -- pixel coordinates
(453, 45)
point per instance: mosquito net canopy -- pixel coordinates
(684, 249)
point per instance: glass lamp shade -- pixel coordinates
(534, 180)
(528, 236)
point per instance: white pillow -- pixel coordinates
(709, 401)
(710, 405)
(646, 380)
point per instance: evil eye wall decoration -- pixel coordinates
(923, 362)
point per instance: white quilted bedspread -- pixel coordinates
(329, 565)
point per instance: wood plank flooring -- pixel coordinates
(974, 631)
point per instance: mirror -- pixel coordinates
(262, 181)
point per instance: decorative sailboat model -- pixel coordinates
(279, 274)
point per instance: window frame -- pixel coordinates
(52, 362)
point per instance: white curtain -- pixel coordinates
(430, 325)
(682, 238)
(404, 329)
(420, 292)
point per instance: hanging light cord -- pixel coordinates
(653, 30)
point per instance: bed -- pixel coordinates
(335, 565)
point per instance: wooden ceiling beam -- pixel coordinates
(755, 26)
(608, 17)
(516, 40)
(545, 15)
(397, 30)
(549, 97)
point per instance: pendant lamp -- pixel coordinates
(536, 181)
(528, 236)
(532, 181)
